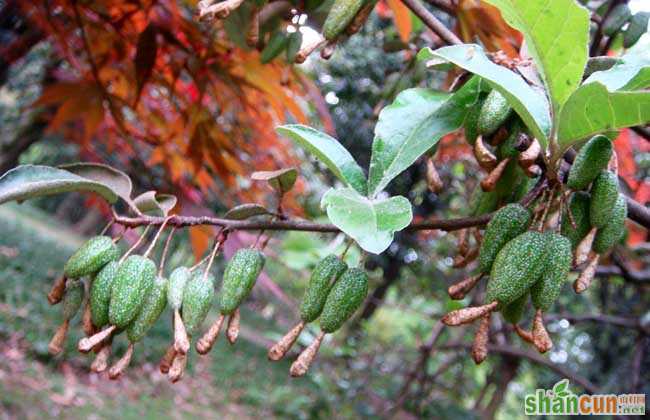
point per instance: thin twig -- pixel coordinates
(432, 22)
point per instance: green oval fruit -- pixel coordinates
(557, 266)
(276, 44)
(494, 112)
(91, 257)
(197, 299)
(592, 158)
(177, 281)
(610, 234)
(604, 193)
(579, 207)
(239, 278)
(482, 202)
(619, 15)
(132, 283)
(344, 299)
(471, 122)
(516, 268)
(637, 27)
(100, 294)
(326, 272)
(508, 222)
(340, 16)
(153, 306)
(73, 298)
(515, 311)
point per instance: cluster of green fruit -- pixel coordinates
(528, 254)
(334, 293)
(129, 295)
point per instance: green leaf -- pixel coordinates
(281, 180)
(30, 181)
(531, 105)
(371, 223)
(561, 387)
(329, 151)
(557, 38)
(592, 109)
(244, 211)
(413, 124)
(152, 202)
(119, 182)
(631, 72)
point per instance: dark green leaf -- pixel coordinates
(281, 180)
(152, 202)
(244, 211)
(119, 182)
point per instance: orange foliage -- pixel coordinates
(479, 19)
(146, 81)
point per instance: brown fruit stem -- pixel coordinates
(462, 260)
(253, 35)
(101, 359)
(167, 359)
(459, 290)
(527, 336)
(86, 344)
(467, 315)
(56, 343)
(87, 320)
(434, 183)
(499, 136)
(307, 49)
(530, 155)
(479, 346)
(233, 327)
(584, 247)
(583, 281)
(328, 50)
(205, 343)
(181, 341)
(57, 291)
(483, 155)
(178, 368)
(305, 359)
(463, 242)
(281, 348)
(489, 183)
(120, 366)
(541, 339)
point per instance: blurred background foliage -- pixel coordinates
(196, 120)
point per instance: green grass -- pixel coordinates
(233, 381)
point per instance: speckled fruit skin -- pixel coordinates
(592, 158)
(516, 268)
(557, 266)
(177, 281)
(344, 299)
(515, 311)
(494, 112)
(604, 192)
(154, 304)
(509, 222)
(100, 293)
(197, 299)
(471, 122)
(326, 272)
(239, 278)
(91, 257)
(340, 16)
(579, 206)
(132, 282)
(612, 232)
(73, 298)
